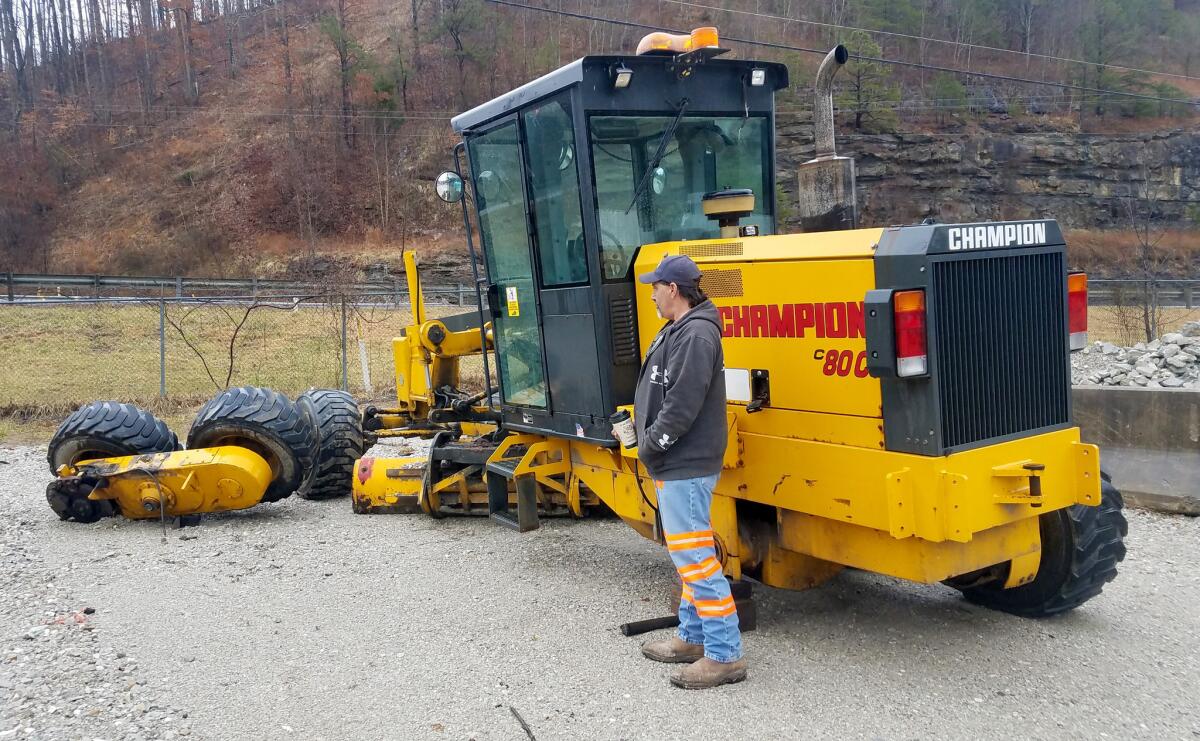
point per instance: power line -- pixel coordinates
(879, 60)
(915, 37)
(250, 112)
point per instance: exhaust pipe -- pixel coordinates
(826, 187)
(823, 104)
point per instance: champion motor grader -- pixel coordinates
(899, 398)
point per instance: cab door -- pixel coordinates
(496, 167)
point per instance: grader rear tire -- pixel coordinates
(104, 429)
(1081, 547)
(266, 422)
(340, 441)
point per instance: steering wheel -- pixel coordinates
(614, 262)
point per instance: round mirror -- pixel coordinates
(449, 187)
(658, 181)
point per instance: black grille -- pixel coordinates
(624, 330)
(1001, 346)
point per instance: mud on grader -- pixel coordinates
(898, 398)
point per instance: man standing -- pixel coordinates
(679, 413)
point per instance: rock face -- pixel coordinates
(1170, 362)
(1080, 179)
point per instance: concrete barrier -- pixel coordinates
(1149, 442)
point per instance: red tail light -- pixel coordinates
(911, 356)
(1077, 309)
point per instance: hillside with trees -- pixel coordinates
(229, 137)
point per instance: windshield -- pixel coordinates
(705, 154)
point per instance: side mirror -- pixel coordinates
(449, 187)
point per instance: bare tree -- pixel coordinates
(1149, 261)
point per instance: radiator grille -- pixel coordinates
(1001, 349)
(721, 249)
(722, 283)
(624, 330)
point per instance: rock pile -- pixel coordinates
(1173, 361)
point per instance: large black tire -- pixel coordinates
(104, 429)
(1081, 547)
(340, 435)
(266, 422)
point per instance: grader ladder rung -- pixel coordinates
(499, 473)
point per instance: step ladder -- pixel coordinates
(516, 460)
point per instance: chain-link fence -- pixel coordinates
(177, 352)
(1128, 311)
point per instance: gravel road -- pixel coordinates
(301, 620)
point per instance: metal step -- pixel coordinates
(499, 473)
(505, 467)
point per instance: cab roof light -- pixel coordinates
(660, 42)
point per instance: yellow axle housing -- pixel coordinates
(185, 482)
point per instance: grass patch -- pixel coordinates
(60, 357)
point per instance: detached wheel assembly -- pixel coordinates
(340, 437)
(269, 424)
(102, 429)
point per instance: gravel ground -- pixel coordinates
(302, 620)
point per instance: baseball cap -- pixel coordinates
(677, 269)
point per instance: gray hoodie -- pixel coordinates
(679, 405)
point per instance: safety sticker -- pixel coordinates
(514, 308)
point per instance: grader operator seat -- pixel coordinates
(571, 174)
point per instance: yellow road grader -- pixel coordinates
(899, 398)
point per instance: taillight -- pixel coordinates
(1077, 309)
(909, 308)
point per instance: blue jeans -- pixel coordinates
(707, 614)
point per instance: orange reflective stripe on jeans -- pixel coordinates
(687, 541)
(715, 607)
(687, 594)
(702, 570)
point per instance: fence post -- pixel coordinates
(1187, 295)
(396, 291)
(254, 287)
(345, 380)
(162, 348)
(9, 280)
(461, 295)
(179, 287)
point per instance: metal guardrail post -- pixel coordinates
(162, 349)
(179, 288)
(396, 291)
(1187, 295)
(9, 279)
(345, 380)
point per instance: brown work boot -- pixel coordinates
(673, 650)
(707, 673)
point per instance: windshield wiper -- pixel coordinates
(668, 133)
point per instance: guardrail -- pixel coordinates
(1169, 292)
(19, 285)
(1101, 291)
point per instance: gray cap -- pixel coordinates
(677, 269)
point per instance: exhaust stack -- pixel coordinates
(826, 183)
